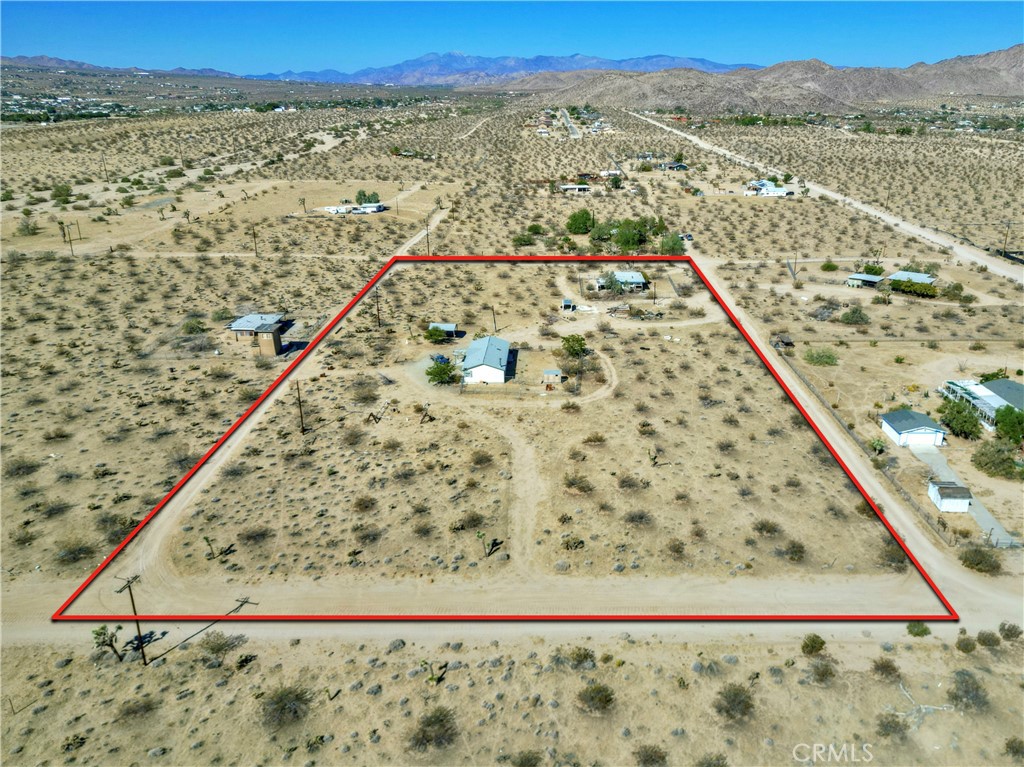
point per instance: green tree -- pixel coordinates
(436, 335)
(630, 236)
(61, 193)
(366, 198)
(672, 245)
(615, 182)
(611, 284)
(1010, 424)
(580, 222)
(574, 346)
(442, 373)
(523, 240)
(874, 269)
(960, 419)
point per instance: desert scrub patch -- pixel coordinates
(821, 357)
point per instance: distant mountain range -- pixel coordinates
(48, 62)
(650, 82)
(792, 86)
(458, 69)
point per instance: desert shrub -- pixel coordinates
(368, 535)
(481, 458)
(891, 725)
(255, 535)
(71, 550)
(966, 644)
(193, 327)
(767, 528)
(235, 470)
(734, 702)
(638, 519)
(286, 705)
(982, 560)
(918, 629)
(596, 697)
(115, 527)
(1009, 631)
(967, 692)
(821, 357)
(886, 668)
(364, 390)
(1014, 748)
(794, 551)
(712, 760)
(823, 671)
(629, 482)
(854, 316)
(594, 438)
(132, 709)
(812, 644)
(650, 756)
(995, 458)
(423, 529)
(580, 655)
(437, 728)
(20, 466)
(352, 436)
(579, 483)
(526, 759)
(989, 639)
(893, 556)
(364, 503)
(217, 644)
(676, 547)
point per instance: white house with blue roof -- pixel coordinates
(486, 361)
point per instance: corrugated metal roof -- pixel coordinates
(630, 278)
(253, 321)
(1010, 392)
(866, 277)
(489, 350)
(447, 327)
(951, 490)
(908, 420)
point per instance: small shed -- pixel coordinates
(907, 427)
(449, 328)
(269, 336)
(552, 376)
(949, 496)
(246, 327)
(568, 305)
(860, 280)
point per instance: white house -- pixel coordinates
(629, 280)
(905, 427)
(609, 173)
(986, 398)
(949, 496)
(764, 188)
(575, 188)
(486, 361)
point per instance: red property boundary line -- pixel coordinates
(60, 614)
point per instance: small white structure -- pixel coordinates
(575, 188)
(338, 210)
(861, 280)
(949, 496)
(486, 361)
(609, 173)
(370, 207)
(247, 326)
(764, 188)
(906, 427)
(918, 277)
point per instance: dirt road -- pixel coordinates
(975, 255)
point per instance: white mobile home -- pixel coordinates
(905, 427)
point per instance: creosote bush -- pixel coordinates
(967, 692)
(734, 702)
(886, 668)
(812, 644)
(437, 728)
(286, 705)
(650, 756)
(596, 697)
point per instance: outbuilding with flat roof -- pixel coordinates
(949, 496)
(249, 325)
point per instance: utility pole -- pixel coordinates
(376, 296)
(103, 159)
(302, 420)
(302, 202)
(428, 234)
(494, 319)
(255, 249)
(138, 629)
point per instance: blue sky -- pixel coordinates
(257, 37)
